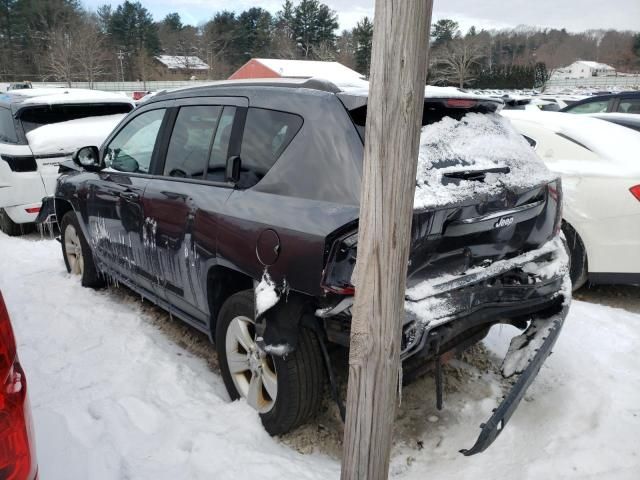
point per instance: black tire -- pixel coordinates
(11, 228)
(90, 276)
(578, 266)
(300, 374)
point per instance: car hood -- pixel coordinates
(65, 137)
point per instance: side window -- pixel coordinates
(131, 149)
(629, 105)
(591, 107)
(7, 127)
(190, 142)
(267, 133)
(220, 149)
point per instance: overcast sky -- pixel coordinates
(574, 15)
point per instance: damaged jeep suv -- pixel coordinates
(235, 207)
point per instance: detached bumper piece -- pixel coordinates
(534, 345)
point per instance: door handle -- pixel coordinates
(130, 196)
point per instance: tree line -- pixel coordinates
(59, 40)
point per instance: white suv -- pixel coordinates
(39, 129)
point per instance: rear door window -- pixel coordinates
(267, 133)
(216, 170)
(629, 105)
(191, 141)
(7, 127)
(132, 147)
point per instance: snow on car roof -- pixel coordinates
(606, 139)
(361, 89)
(60, 96)
(66, 137)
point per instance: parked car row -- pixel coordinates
(203, 196)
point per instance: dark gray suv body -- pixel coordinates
(201, 191)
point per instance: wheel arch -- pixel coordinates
(221, 283)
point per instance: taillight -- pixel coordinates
(461, 103)
(635, 191)
(21, 164)
(340, 264)
(33, 210)
(17, 453)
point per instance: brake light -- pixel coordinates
(635, 191)
(461, 103)
(337, 274)
(349, 290)
(17, 453)
(33, 210)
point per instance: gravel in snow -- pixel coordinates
(113, 397)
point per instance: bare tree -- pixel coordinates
(457, 60)
(88, 50)
(60, 57)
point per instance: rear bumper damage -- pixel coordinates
(448, 314)
(526, 355)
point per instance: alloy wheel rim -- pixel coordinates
(253, 372)
(73, 250)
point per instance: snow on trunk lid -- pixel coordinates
(480, 145)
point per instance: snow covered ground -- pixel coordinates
(115, 397)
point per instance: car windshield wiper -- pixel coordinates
(476, 175)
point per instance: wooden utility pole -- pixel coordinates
(396, 101)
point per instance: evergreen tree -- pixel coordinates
(444, 30)
(363, 37)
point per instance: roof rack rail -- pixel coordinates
(315, 83)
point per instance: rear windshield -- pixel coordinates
(37, 116)
(7, 127)
(433, 112)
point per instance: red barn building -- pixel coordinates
(276, 68)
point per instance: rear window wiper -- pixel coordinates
(476, 175)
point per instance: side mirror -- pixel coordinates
(87, 158)
(233, 169)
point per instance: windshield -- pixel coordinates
(37, 116)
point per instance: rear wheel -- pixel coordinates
(286, 391)
(11, 228)
(578, 268)
(78, 257)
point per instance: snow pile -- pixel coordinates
(66, 137)
(477, 142)
(266, 295)
(113, 397)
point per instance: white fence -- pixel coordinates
(628, 81)
(127, 87)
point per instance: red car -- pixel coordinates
(17, 448)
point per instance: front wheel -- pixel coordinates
(286, 391)
(77, 254)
